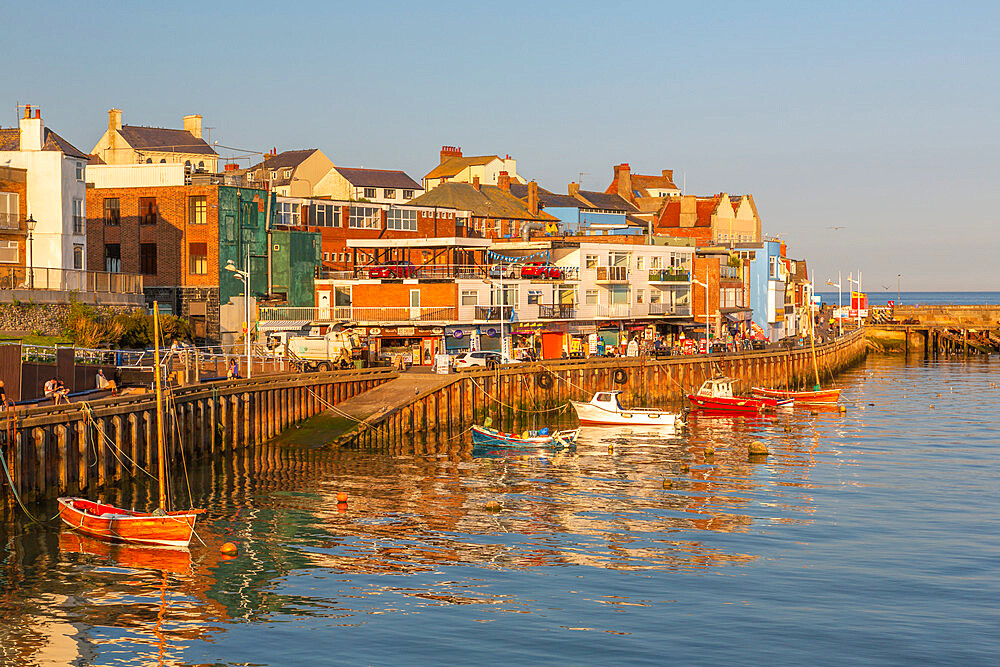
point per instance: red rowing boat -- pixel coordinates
(821, 396)
(717, 395)
(169, 529)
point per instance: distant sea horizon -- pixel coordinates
(880, 298)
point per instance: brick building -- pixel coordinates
(13, 230)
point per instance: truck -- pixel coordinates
(337, 349)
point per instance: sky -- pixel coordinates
(868, 132)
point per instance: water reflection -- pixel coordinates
(623, 501)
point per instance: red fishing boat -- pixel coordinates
(159, 527)
(717, 395)
(819, 396)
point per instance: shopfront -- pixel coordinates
(416, 346)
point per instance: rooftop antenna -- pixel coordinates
(582, 174)
(209, 135)
(684, 187)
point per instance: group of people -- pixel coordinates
(56, 390)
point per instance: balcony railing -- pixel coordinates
(361, 314)
(491, 312)
(69, 280)
(731, 273)
(10, 220)
(669, 276)
(556, 311)
(612, 274)
(669, 309)
(616, 310)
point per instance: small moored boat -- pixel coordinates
(821, 396)
(717, 394)
(484, 435)
(605, 408)
(169, 529)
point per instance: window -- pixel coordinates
(590, 262)
(288, 213)
(77, 256)
(79, 170)
(618, 259)
(10, 212)
(229, 229)
(147, 211)
(201, 165)
(388, 193)
(78, 216)
(9, 252)
(618, 294)
(534, 296)
(402, 219)
(640, 296)
(365, 217)
(640, 263)
(470, 297)
(198, 259)
(510, 295)
(407, 194)
(112, 211)
(147, 259)
(369, 193)
(288, 173)
(321, 216)
(654, 295)
(590, 297)
(198, 210)
(113, 257)
(656, 263)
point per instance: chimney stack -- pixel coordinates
(533, 197)
(448, 152)
(574, 189)
(668, 174)
(689, 211)
(192, 124)
(623, 174)
(114, 119)
(503, 181)
(475, 183)
(32, 131)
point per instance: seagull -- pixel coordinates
(836, 228)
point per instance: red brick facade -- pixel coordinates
(12, 224)
(169, 226)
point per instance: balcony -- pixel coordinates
(490, 312)
(556, 311)
(359, 314)
(669, 276)
(70, 280)
(614, 311)
(612, 274)
(10, 221)
(731, 273)
(669, 309)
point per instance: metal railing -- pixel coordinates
(361, 314)
(612, 274)
(557, 311)
(668, 309)
(490, 312)
(69, 280)
(10, 220)
(731, 273)
(669, 275)
(614, 310)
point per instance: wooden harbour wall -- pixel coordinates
(448, 410)
(84, 447)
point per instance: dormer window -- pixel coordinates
(288, 173)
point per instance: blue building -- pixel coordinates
(766, 286)
(586, 213)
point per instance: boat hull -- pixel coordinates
(737, 404)
(822, 396)
(173, 529)
(592, 415)
(492, 437)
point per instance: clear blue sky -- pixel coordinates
(881, 118)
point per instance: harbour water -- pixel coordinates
(865, 537)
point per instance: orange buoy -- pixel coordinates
(229, 549)
(342, 497)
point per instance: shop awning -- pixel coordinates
(282, 325)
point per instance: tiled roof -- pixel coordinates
(704, 208)
(452, 166)
(489, 201)
(546, 198)
(606, 201)
(285, 159)
(164, 140)
(640, 182)
(378, 178)
(10, 140)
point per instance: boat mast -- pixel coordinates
(159, 407)
(812, 340)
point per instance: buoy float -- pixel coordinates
(709, 451)
(843, 408)
(492, 506)
(930, 407)
(667, 484)
(342, 497)
(685, 468)
(229, 549)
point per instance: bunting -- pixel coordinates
(511, 260)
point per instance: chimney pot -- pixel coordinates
(533, 197)
(38, 113)
(503, 181)
(27, 111)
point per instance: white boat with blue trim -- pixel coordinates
(606, 409)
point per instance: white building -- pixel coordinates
(56, 191)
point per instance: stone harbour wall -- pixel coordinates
(45, 319)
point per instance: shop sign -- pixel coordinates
(457, 333)
(491, 332)
(437, 330)
(592, 343)
(406, 331)
(375, 331)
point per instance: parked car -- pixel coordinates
(483, 358)
(394, 269)
(504, 271)
(541, 270)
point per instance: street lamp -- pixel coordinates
(840, 305)
(244, 276)
(898, 300)
(31, 222)
(701, 284)
(857, 282)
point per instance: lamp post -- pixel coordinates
(244, 276)
(701, 284)
(857, 282)
(898, 301)
(840, 324)
(31, 222)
